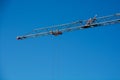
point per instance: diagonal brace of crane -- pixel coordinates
(77, 25)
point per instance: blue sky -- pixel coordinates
(91, 54)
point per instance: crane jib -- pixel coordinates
(76, 25)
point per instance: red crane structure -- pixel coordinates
(77, 25)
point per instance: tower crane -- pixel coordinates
(76, 25)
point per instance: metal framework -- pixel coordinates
(77, 25)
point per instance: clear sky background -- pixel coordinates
(91, 54)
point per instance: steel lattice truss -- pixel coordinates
(77, 25)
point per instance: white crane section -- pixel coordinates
(77, 25)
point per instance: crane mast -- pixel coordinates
(76, 25)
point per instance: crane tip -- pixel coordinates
(20, 37)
